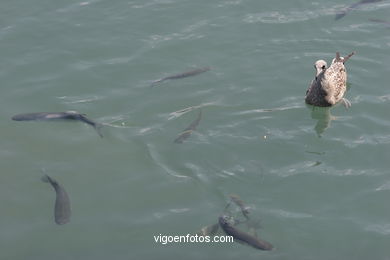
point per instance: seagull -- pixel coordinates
(330, 84)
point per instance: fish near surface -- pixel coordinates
(62, 211)
(241, 236)
(210, 230)
(188, 131)
(387, 23)
(183, 75)
(54, 116)
(344, 12)
(329, 85)
(237, 200)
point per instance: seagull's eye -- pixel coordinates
(323, 67)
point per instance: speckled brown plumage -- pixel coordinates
(330, 84)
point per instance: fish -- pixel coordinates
(387, 23)
(314, 152)
(344, 12)
(316, 163)
(182, 75)
(229, 228)
(188, 131)
(62, 210)
(68, 115)
(237, 200)
(330, 84)
(210, 230)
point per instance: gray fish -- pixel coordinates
(314, 152)
(62, 209)
(237, 200)
(68, 115)
(344, 12)
(387, 23)
(188, 131)
(183, 75)
(241, 236)
(316, 164)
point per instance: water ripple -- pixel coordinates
(136, 5)
(159, 161)
(291, 16)
(289, 214)
(288, 16)
(183, 111)
(188, 33)
(78, 99)
(385, 186)
(266, 110)
(307, 167)
(383, 229)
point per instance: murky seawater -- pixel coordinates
(318, 179)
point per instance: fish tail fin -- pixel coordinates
(200, 114)
(154, 82)
(178, 140)
(47, 178)
(340, 15)
(98, 127)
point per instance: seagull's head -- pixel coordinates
(320, 66)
